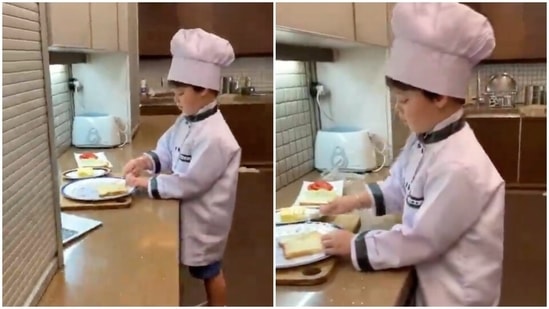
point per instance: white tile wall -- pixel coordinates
(294, 122)
(260, 69)
(524, 73)
(63, 108)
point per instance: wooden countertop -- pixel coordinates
(132, 259)
(117, 263)
(347, 287)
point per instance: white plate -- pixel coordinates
(295, 229)
(311, 213)
(82, 162)
(97, 172)
(86, 189)
(338, 188)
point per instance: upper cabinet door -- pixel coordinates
(158, 23)
(372, 23)
(330, 19)
(248, 26)
(104, 26)
(69, 25)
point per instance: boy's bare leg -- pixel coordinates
(216, 290)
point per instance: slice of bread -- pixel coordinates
(94, 163)
(301, 245)
(317, 197)
(111, 189)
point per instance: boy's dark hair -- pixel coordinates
(391, 83)
(176, 84)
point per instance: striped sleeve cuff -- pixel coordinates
(153, 188)
(379, 201)
(359, 253)
(155, 160)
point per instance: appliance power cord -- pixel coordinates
(320, 107)
(382, 152)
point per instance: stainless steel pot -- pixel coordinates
(501, 90)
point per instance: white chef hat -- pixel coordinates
(197, 58)
(437, 45)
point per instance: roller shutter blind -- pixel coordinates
(30, 209)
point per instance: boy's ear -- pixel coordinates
(441, 101)
(204, 92)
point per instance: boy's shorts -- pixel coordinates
(205, 272)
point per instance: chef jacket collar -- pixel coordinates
(444, 129)
(203, 113)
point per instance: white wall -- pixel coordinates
(105, 80)
(358, 94)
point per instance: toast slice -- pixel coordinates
(301, 245)
(111, 189)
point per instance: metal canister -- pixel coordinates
(226, 82)
(534, 94)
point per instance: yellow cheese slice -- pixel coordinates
(84, 172)
(292, 214)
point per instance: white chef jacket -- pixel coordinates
(203, 158)
(452, 199)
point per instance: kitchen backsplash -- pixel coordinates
(62, 106)
(260, 69)
(294, 123)
(524, 73)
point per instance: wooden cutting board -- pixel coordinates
(319, 272)
(68, 204)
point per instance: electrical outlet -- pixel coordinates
(318, 88)
(322, 90)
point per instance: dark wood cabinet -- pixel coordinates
(519, 28)
(524, 250)
(517, 148)
(157, 24)
(500, 139)
(533, 151)
(248, 26)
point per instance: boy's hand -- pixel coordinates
(341, 205)
(134, 181)
(135, 166)
(338, 243)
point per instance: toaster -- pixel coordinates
(351, 150)
(93, 130)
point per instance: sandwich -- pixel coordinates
(301, 245)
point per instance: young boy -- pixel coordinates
(202, 158)
(450, 194)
